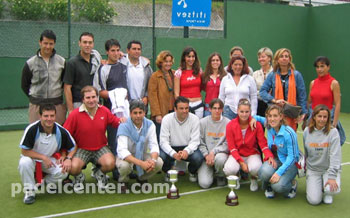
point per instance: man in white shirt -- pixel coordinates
(179, 138)
(137, 145)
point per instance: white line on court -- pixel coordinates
(139, 201)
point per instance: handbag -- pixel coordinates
(291, 110)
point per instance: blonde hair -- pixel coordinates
(278, 53)
(266, 51)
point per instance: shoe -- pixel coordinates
(328, 199)
(181, 173)
(193, 177)
(293, 190)
(269, 193)
(220, 181)
(254, 185)
(132, 176)
(29, 197)
(93, 174)
(101, 178)
(124, 188)
(79, 182)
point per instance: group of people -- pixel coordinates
(218, 137)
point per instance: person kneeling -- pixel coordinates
(137, 145)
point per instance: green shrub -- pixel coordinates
(27, 9)
(1, 7)
(95, 11)
(57, 9)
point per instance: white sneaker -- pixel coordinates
(193, 177)
(29, 197)
(293, 190)
(79, 182)
(269, 193)
(93, 173)
(328, 199)
(254, 185)
(101, 178)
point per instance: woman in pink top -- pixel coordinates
(213, 74)
(187, 81)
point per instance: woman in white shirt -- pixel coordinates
(265, 56)
(237, 84)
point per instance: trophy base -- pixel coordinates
(173, 195)
(231, 201)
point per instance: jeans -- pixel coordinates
(112, 144)
(229, 113)
(195, 160)
(284, 185)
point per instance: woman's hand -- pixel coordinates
(333, 186)
(159, 119)
(274, 178)
(272, 162)
(244, 167)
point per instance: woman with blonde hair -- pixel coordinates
(285, 85)
(161, 89)
(265, 56)
(323, 157)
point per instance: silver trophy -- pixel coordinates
(173, 192)
(232, 198)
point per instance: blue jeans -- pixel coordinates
(284, 185)
(229, 113)
(112, 144)
(195, 160)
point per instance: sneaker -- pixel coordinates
(181, 173)
(193, 177)
(327, 199)
(269, 193)
(124, 188)
(29, 197)
(293, 190)
(79, 182)
(93, 174)
(254, 185)
(101, 178)
(220, 181)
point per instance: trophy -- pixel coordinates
(232, 198)
(173, 192)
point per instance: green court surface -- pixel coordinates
(210, 203)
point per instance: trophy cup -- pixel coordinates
(173, 192)
(232, 198)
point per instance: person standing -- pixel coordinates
(42, 77)
(80, 70)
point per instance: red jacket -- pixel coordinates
(239, 146)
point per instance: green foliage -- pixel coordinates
(1, 7)
(95, 11)
(57, 9)
(27, 9)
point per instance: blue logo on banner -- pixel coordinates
(191, 13)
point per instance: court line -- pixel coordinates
(139, 201)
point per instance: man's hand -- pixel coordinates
(145, 100)
(209, 159)
(244, 167)
(274, 178)
(48, 163)
(122, 120)
(60, 160)
(183, 154)
(66, 166)
(177, 156)
(146, 166)
(159, 119)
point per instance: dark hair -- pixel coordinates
(133, 42)
(245, 69)
(322, 59)
(137, 104)
(209, 70)
(87, 34)
(216, 101)
(88, 89)
(48, 34)
(46, 107)
(196, 65)
(181, 99)
(312, 124)
(110, 43)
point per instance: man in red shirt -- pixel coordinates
(88, 124)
